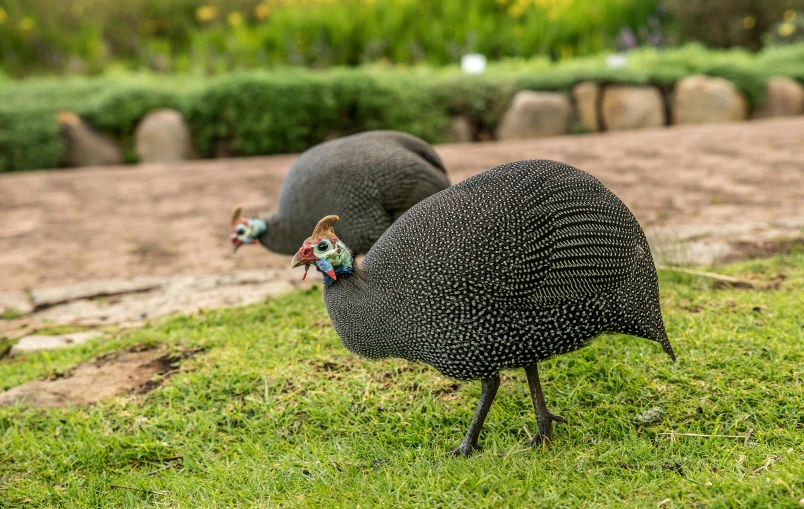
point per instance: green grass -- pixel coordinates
(10, 314)
(275, 412)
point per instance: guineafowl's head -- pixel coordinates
(245, 230)
(323, 249)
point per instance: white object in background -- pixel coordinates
(616, 61)
(473, 63)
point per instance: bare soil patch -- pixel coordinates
(136, 370)
(764, 248)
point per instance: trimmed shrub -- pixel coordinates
(29, 139)
(259, 112)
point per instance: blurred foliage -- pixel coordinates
(29, 139)
(290, 109)
(745, 23)
(89, 36)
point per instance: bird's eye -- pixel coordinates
(323, 245)
(240, 229)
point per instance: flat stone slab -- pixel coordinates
(116, 302)
(47, 297)
(43, 342)
(17, 302)
(713, 244)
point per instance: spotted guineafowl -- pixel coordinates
(518, 264)
(368, 179)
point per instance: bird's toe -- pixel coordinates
(558, 418)
(464, 450)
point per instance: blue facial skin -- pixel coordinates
(324, 266)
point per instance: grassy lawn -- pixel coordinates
(275, 412)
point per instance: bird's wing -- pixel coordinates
(575, 241)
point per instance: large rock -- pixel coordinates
(84, 145)
(632, 108)
(534, 115)
(704, 99)
(163, 137)
(784, 97)
(586, 96)
(460, 130)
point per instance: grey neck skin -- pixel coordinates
(363, 316)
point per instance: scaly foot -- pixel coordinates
(465, 450)
(545, 433)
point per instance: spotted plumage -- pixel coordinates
(368, 179)
(516, 265)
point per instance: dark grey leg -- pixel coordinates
(543, 416)
(488, 390)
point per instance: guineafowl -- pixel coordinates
(368, 179)
(513, 266)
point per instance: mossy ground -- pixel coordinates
(275, 412)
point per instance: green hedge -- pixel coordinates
(258, 112)
(261, 113)
(29, 139)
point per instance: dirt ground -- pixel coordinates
(106, 375)
(69, 226)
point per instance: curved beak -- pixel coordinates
(236, 243)
(304, 256)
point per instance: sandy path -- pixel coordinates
(62, 227)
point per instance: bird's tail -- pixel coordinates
(663, 340)
(644, 296)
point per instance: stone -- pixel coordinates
(163, 136)
(535, 115)
(632, 108)
(84, 146)
(101, 303)
(650, 416)
(46, 342)
(53, 296)
(15, 303)
(705, 99)
(586, 96)
(460, 130)
(784, 97)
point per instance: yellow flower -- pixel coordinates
(262, 11)
(786, 29)
(517, 8)
(3, 15)
(235, 19)
(749, 22)
(206, 13)
(789, 15)
(26, 24)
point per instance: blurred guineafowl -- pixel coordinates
(368, 179)
(518, 264)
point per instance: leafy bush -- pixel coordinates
(289, 110)
(29, 139)
(723, 24)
